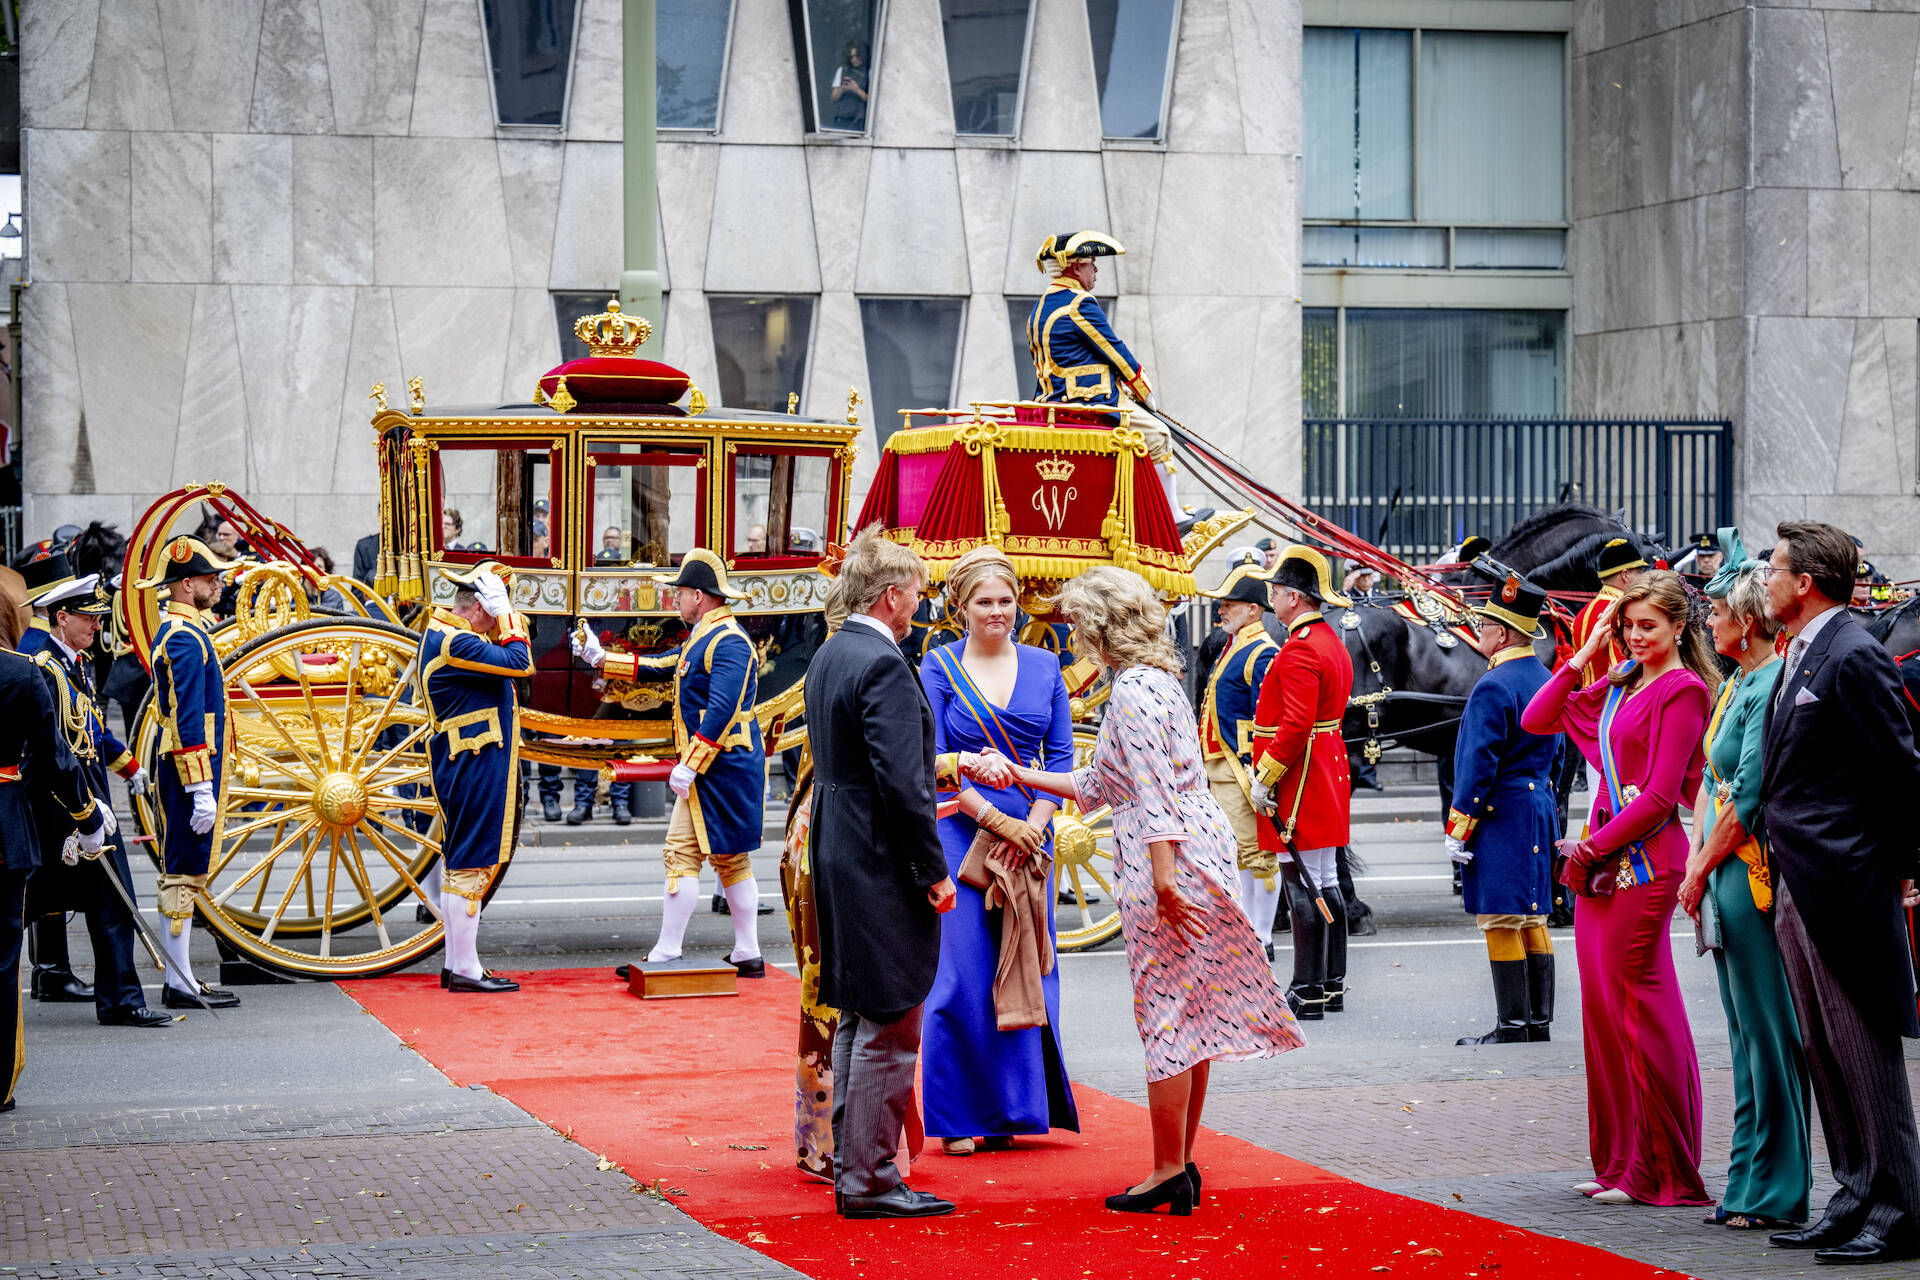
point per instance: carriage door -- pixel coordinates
(647, 507)
(495, 500)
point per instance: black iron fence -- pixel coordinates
(1417, 487)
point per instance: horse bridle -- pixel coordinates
(1372, 751)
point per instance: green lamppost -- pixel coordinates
(640, 278)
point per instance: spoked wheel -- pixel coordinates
(1083, 868)
(328, 823)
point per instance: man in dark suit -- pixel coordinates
(880, 876)
(1839, 758)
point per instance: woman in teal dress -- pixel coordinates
(1770, 1174)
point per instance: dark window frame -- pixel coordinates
(537, 128)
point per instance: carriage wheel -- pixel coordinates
(1083, 868)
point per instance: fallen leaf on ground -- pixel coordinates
(604, 1164)
(758, 1237)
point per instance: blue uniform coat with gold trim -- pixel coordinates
(57, 886)
(474, 749)
(1504, 803)
(1077, 358)
(1233, 691)
(192, 702)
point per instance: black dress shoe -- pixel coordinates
(1269, 953)
(1824, 1234)
(579, 814)
(1193, 1176)
(1176, 1193)
(621, 971)
(216, 998)
(901, 1202)
(1866, 1247)
(720, 907)
(485, 984)
(622, 816)
(141, 1017)
(6, 1106)
(549, 809)
(421, 915)
(754, 968)
(1336, 997)
(55, 984)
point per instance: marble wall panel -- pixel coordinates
(456, 340)
(1203, 110)
(839, 361)
(1893, 268)
(689, 341)
(1902, 339)
(46, 512)
(56, 63)
(533, 344)
(333, 210)
(372, 53)
(1759, 514)
(212, 443)
(837, 184)
(1187, 380)
(292, 88)
(986, 208)
(82, 192)
(1600, 110)
(1796, 392)
(335, 521)
(1133, 209)
(911, 240)
(1273, 439)
(1777, 251)
(211, 51)
(1132, 320)
(1266, 59)
(987, 368)
(252, 208)
(1646, 150)
(1587, 252)
(1716, 287)
(588, 236)
(1583, 386)
(1871, 56)
(128, 88)
(761, 100)
(1872, 445)
(1627, 372)
(51, 404)
(295, 365)
(451, 94)
(171, 223)
(1794, 140)
(373, 355)
(1060, 108)
(1837, 243)
(1051, 192)
(1210, 200)
(441, 216)
(912, 99)
(530, 190)
(1688, 369)
(1708, 106)
(762, 238)
(130, 383)
(1890, 526)
(1732, 344)
(686, 173)
(594, 96)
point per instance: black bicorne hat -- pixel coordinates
(185, 557)
(705, 571)
(46, 574)
(1618, 554)
(1245, 582)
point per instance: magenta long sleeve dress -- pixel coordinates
(1643, 1079)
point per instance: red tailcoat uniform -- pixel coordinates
(1609, 656)
(1297, 742)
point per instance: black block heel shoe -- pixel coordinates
(1176, 1193)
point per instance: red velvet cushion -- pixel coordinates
(598, 379)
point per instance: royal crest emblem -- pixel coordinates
(1051, 497)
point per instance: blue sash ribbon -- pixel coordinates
(1636, 865)
(980, 709)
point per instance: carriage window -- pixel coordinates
(780, 505)
(496, 501)
(646, 507)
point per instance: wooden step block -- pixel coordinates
(670, 980)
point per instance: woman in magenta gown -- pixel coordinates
(1642, 727)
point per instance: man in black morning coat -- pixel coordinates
(879, 874)
(1837, 773)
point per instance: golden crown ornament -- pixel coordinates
(610, 333)
(1056, 468)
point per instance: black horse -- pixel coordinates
(1557, 547)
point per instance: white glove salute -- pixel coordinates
(1262, 797)
(681, 780)
(587, 648)
(1458, 851)
(205, 808)
(138, 781)
(493, 593)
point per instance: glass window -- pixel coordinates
(1486, 247)
(760, 346)
(1374, 246)
(1019, 310)
(1492, 127)
(569, 307)
(838, 69)
(530, 43)
(690, 52)
(1319, 362)
(1357, 88)
(1132, 61)
(913, 349)
(986, 54)
(1407, 363)
(495, 500)
(780, 505)
(646, 503)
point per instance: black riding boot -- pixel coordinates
(1509, 1002)
(1336, 979)
(1307, 993)
(53, 979)
(1539, 994)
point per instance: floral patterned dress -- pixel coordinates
(1195, 1000)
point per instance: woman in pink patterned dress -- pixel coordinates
(1202, 989)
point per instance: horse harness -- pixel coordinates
(1387, 693)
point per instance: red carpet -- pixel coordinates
(699, 1094)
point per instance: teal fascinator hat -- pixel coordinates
(1734, 561)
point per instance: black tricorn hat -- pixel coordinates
(1474, 547)
(1514, 602)
(705, 571)
(1616, 555)
(45, 574)
(1245, 582)
(185, 557)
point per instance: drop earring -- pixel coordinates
(1743, 644)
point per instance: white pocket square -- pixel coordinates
(1805, 697)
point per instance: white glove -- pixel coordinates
(138, 781)
(493, 593)
(589, 650)
(681, 780)
(108, 823)
(1458, 851)
(1263, 798)
(205, 809)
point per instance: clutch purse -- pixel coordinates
(1706, 925)
(973, 867)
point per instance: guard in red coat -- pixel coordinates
(1300, 775)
